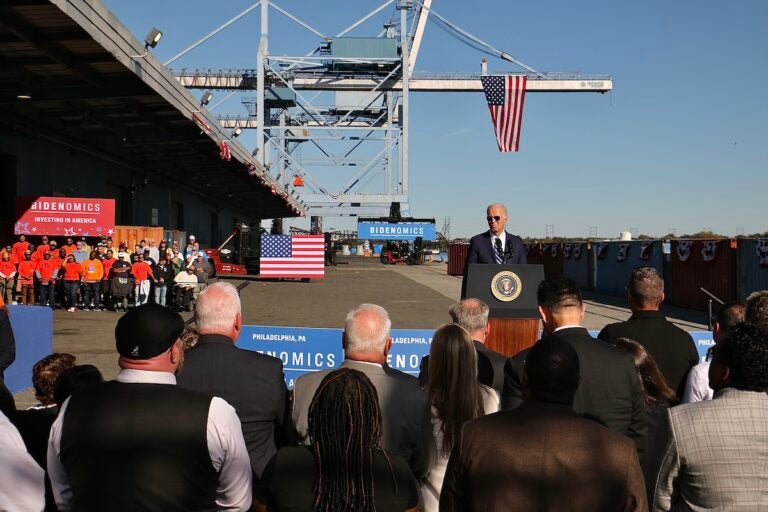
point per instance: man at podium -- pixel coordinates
(496, 245)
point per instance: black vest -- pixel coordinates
(138, 447)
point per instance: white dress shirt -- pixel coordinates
(226, 447)
(697, 384)
(22, 484)
(502, 237)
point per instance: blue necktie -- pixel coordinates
(498, 255)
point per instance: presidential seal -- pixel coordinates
(506, 286)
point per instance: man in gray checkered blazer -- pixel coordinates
(717, 455)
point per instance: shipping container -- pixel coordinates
(548, 254)
(613, 263)
(752, 267)
(696, 264)
(576, 263)
(132, 235)
(457, 256)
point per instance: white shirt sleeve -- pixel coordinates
(62, 492)
(22, 485)
(697, 384)
(229, 457)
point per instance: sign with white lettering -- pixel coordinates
(396, 230)
(304, 349)
(65, 216)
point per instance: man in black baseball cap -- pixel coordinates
(178, 449)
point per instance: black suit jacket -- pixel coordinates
(252, 383)
(7, 342)
(490, 368)
(671, 347)
(609, 391)
(481, 250)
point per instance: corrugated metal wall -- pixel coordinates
(576, 269)
(610, 275)
(686, 277)
(550, 255)
(457, 255)
(751, 277)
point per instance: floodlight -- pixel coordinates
(206, 98)
(237, 131)
(153, 37)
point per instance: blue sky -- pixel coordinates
(680, 143)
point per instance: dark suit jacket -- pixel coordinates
(481, 249)
(609, 391)
(490, 368)
(405, 411)
(7, 342)
(252, 383)
(542, 457)
(671, 347)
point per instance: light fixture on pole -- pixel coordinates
(150, 41)
(236, 132)
(206, 98)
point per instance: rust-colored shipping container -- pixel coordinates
(752, 269)
(457, 256)
(548, 254)
(132, 235)
(694, 264)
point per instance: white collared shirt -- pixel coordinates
(22, 484)
(226, 447)
(502, 237)
(567, 327)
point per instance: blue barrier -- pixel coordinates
(304, 349)
(33, 330)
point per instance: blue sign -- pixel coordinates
(305, 349)
(396, 230)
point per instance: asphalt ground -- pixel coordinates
(416, 297)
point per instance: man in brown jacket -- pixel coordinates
(542, 456)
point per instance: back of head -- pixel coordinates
(646, 287)
(46, 372)
(471, 314)
(453, 388)
(344, 425)
(366, 329)
(757, 309)
(652, 382)
(745, 352)
(558, 293)
(552, 371)
(729, 314)
(75, 378)
(217, 307)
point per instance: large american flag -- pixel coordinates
(505, 95)
(296, 256)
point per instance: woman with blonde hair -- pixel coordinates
(455, 396)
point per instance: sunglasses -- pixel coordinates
(489, 218)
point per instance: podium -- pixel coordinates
(510, 292)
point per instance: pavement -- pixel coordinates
(416, 297)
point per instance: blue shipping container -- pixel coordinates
(751, 276)
(576, 269)
(611, 275)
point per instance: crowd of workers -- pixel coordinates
(95, 275)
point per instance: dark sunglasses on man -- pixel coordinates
(489, 218)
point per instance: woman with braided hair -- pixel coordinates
(456, 398)
(344, 468)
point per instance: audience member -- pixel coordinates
(191, 249)
(716, 450)
(542, 456)
(252, 383)
(657, 394)
(106, 280)
(7, 341)
(141, 442)
(73, 273)
(609, 391)
(185, 283)
(407, 429)
(93, 272)
(7, 277)
(472, 315)
(80, 253)
(142, 273)
(345, 468)
(455, 396)
(21, 479)
(671, 347)
(26, 279)
(164, 274)
(19, 248)
(756, 311)
(697, 384)
(47, 271)
(202, 268)
(121, 283)
(154, 252)
(69, 247)
(73, 379)
(7, 403)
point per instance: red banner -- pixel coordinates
(65, 216)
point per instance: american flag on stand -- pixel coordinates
(505, 95)
(294, 256)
